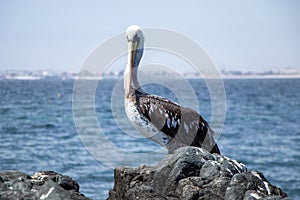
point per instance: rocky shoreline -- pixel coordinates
(44, 185)
(190, 173)
(193, 174)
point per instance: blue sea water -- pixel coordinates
(38, 132)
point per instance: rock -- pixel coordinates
(46, 185)
(193, 173)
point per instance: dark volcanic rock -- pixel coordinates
(192, 173)
(47, 185)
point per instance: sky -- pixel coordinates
(237, 34)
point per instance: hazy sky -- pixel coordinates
(60, 34)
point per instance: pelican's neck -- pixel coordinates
(131, 83)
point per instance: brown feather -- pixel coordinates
(183, 125)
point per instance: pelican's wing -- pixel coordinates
(164, 114)
(185, 124)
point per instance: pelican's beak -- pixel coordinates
(132, 48)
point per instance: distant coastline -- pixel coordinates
(224, 74)
(279, 76)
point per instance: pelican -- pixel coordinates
(159, 119)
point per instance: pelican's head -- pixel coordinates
(135, 39)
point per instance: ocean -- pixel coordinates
(40, 129)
